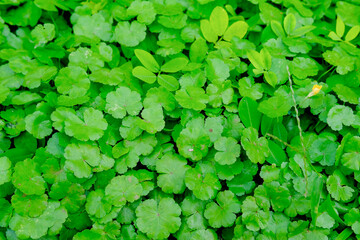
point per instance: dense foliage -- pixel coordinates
(191, 119)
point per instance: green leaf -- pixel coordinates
(29, 205)
(337, 188)
(122, 189)
(302, 67)
(207, 31)
(72, 81)
(158, 219)
(350, 157)
(153, 119)
(204, 185)
(5, 170)
(228, 150)
(340, 115)
(27, 178)
(38, 124)
(256, 148)
(27, 14)
(276, 154)
(144, 11)
(276, 106)
(144, 74)
(130, 35)
(237, 29)
(193, 141)
(352, 219)
(174, 65)
(92, 29)
(123, 101)
(198, 50)
(80, 158)
(192, 98)
(50, 222)
(353, 33)
(147, 60)
(219, 20)
(86, 59)
(249, 114)
(277, 29)
(96, 204)
(340, 27)
(43, 33)
(171, 168)
(92, 127)
(323, 151)
(253, 217)
(348, 12)
(222, 213)
(271, 78)
(289, 23)
(168, 82)
(256, 59)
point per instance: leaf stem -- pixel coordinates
(285, 143)
(299, 127)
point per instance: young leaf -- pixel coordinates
(353, 33)
(168, 82)
(238, 29)
(256, 59)
(207, 31)
(249, 114)
(340, 27)
(277, 28)
(198, 50)
(147, 60)
(219, 20)
(143, 74)
(289, 23)
(174, 65)
(158, 219)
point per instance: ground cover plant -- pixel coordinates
(180, 119)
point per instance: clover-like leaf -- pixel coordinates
(72, 81)
(123, 101)
(203, 184)
(171, 169)
(256, 148)
(253, 217)
(27, 178)
(29, 205)
(228, 149)
(38, 124)
(5, 170)
(192, 98)
(158, 219)
(222, 213)
(130, 34)
(193, 141)
(338, 190)
(340, 116)
(92, 127)
(123, 189)
(49, 222)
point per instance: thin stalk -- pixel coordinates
(299, 127)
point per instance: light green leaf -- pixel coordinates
(219, 20)
(207, 31)
(147, 60)
(174, 65)
(168, 82)
(238, 29)
(144, 74)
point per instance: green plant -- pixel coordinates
(186, 119)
